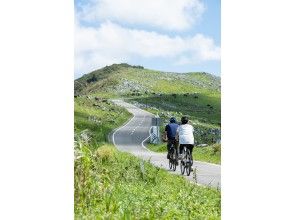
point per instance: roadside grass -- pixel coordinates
(114, 185)
(210, 154)
(97, 119)
(157, 147)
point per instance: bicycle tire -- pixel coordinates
(183, 164)
(189, 163)
(174, 166)
(188, 170)
(174, 156)
(182, 167)
(170, 163)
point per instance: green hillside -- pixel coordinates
(127, 80)
(196, 95)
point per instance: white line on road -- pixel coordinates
(116, 130)
(132, 132)
(142, 144)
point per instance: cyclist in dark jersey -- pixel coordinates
(170, 135)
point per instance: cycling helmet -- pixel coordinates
(172, 120)
(184, 120)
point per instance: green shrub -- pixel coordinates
(216, 148)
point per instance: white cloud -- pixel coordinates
(112, 43)
(165, 14)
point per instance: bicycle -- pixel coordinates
(186, 161)
(173, 159)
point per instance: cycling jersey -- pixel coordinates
(186, 134)
(171, 130)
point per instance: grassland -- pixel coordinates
(204, 108)
(97, 119)
(113, 185)
(123, 80)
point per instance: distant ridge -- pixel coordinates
(123, 78)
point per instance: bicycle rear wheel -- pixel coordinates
(174, 166)
(182, 162)
(174, 157)
(182, 167)
(170, 162)
(189, 163)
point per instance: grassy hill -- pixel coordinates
(113, 185)
(127, 80)
(196, 95)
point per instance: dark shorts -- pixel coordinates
(188, 146)
(171, 142)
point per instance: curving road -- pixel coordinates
(132, 136)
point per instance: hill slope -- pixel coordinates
(196, 95)
(124, 79)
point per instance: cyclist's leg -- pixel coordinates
(176, 144)
(179, 151)
(190, 147)
(168, 146)
(181, 148)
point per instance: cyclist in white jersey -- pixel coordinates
(185, 135)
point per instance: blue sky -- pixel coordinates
(167, 35)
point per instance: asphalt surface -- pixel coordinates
(132, 136)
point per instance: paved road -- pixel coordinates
(132, 136)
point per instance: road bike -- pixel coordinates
(186, 161)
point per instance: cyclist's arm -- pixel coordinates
(177, 135)
(165, 135)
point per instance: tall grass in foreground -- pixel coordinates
(113, 185)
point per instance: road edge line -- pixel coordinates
(142, 143)
(117, 129)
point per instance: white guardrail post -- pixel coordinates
(154, 131)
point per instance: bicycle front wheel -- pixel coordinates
(183, 163)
